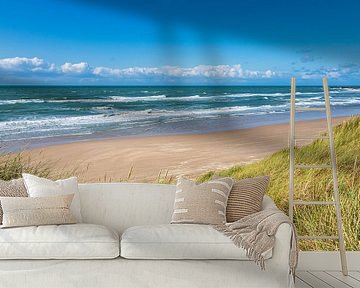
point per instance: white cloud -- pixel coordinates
(331, 72)
(219, 71)
(133, 71)
(38, 65)
(77, 68)
(25, 64)
(269, 74)
(207, 71)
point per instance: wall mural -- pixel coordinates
(147, 91)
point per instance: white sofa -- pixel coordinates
(118, 206)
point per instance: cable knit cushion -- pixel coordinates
(246, 197)
(13, 188)
(203, 203)
(26, 211)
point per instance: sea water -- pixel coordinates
(42, 115)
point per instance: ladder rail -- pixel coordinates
(335, 179)
(292, 149)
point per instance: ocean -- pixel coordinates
(32, 116)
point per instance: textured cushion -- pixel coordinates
(246, 197)
(182, 241)
(203, 203)
(26, 211)
(13, 188)
(41, 187)
(73, 241)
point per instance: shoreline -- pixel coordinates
(173, 155)
(192, 127)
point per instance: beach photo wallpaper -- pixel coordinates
(147, 91)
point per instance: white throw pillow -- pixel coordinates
(41, 187)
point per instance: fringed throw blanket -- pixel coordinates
(256, 234)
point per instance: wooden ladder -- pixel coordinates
(293, 166)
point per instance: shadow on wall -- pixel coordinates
(303, 23)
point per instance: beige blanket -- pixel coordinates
(256, 234)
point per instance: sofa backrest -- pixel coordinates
(122, 205)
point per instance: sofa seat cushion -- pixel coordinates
(180, 241)
(74, 241)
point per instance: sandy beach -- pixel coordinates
(189, 155)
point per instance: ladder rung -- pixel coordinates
(314, 202)
(313, 166)
(311, 137)
(309, 109)
(317, 237)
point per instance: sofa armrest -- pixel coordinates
(279, 263)
(282, 245)
(282, 237)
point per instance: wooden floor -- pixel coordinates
(327, 279)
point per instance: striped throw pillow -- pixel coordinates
(203, 203)
(246, 197)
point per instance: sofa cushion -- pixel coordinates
(181, 241)
(41, 187)
(73, 241)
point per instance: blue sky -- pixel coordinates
(178, 42)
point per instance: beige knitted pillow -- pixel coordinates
(30, 211)
(203, 203)
(12, 188)
(246, 197)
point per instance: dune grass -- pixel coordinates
(315, 184)
(13, 165)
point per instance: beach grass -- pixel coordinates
(13, 165)
(315, 184)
